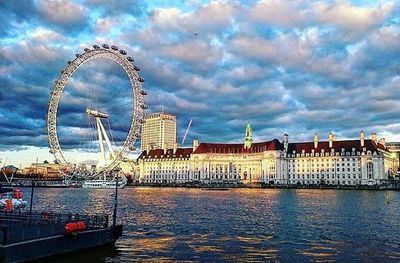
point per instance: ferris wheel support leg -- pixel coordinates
(12, 177)
(8, 181)
(107, 140)
(99, 133)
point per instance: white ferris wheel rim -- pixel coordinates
(138, 93)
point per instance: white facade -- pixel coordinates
(347, 162)
(166, 166)
(337, 168)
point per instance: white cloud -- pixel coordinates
(174, 103)
(105, 25)
(352, 19)
(282, 13)
(210, 17)
(244, 73)
(46, 35)
(254, 47)
(31, 53)
(62, 11)
(167, 18)
(386, 37)
(196, 52)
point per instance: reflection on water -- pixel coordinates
(258, 225)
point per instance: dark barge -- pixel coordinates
(27, 236)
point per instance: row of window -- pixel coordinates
(210, 176)
(327, 154)
(312, 176)
(322, 164)
(324, 170)
(323, 159)
(331, 182)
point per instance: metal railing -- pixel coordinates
(20, 226)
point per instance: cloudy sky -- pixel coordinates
(295, 67)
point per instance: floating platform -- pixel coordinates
(27, 237)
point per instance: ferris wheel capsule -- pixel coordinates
(86, 49)
(132, 148)
(130, 59)
(114, 48)
(143, 92)
(144, 106)
(141, 79)
(106, 46)
(122, 52)
(96, 47)
(136, 68)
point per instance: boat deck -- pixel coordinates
(25, 236)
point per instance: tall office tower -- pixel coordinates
(159, 131)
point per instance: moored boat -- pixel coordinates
(103, 184)
(11, 199)
(27, 236)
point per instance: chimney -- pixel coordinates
(148, 148)
(165, 148)
(362, 138)
(382, 141)
(195, 144)
(285, 142)
(374, 137)
(330, 136)
(316, 140)
(175, 147)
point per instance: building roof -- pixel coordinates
(159, 153)
(347, 145)
(273, 145)
(239, 147)
(160, 114)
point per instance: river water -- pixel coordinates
(257, 225)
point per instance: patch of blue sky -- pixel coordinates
(182, 5)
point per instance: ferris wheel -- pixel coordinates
(90, 104)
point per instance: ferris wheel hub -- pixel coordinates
(96, 113)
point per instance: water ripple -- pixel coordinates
(252, 225)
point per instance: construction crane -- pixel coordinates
(186, 132)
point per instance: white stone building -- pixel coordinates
(332, 162)
(345, 162)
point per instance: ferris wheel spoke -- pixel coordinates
(119, 106)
